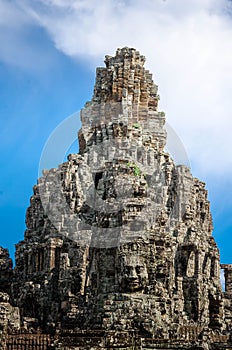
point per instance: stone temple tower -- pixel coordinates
(118, 251)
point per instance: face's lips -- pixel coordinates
(133, 284)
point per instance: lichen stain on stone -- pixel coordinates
(118, 252)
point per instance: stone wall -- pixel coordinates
(118, 251)
(28, 342)
(6, 270)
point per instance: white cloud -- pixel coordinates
(222, 279)
(11, 15)
(20, 39)
(188, 48)
(12, 22)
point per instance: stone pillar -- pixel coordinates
(41, 259)
(51, 256)
(228, 277)
(30, 267)
(26, 264)
(51, 252)
(36, 261)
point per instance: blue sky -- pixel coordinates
(49, 52)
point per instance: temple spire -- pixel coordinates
(125, 77)
(125, 96)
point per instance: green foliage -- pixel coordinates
(162, 114)
(136, 169)
(136, 126)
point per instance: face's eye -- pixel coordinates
(127, 269)
(139, 269)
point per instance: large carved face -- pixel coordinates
(133, 272)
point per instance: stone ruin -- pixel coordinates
(118, 252)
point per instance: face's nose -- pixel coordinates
(132, 274)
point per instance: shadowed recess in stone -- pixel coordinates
(118, 252)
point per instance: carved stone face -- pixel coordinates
(134, 274)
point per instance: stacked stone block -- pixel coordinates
(118, 251)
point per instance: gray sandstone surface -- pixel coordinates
(118, 251)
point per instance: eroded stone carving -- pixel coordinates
(132, 269)
(118, 249)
